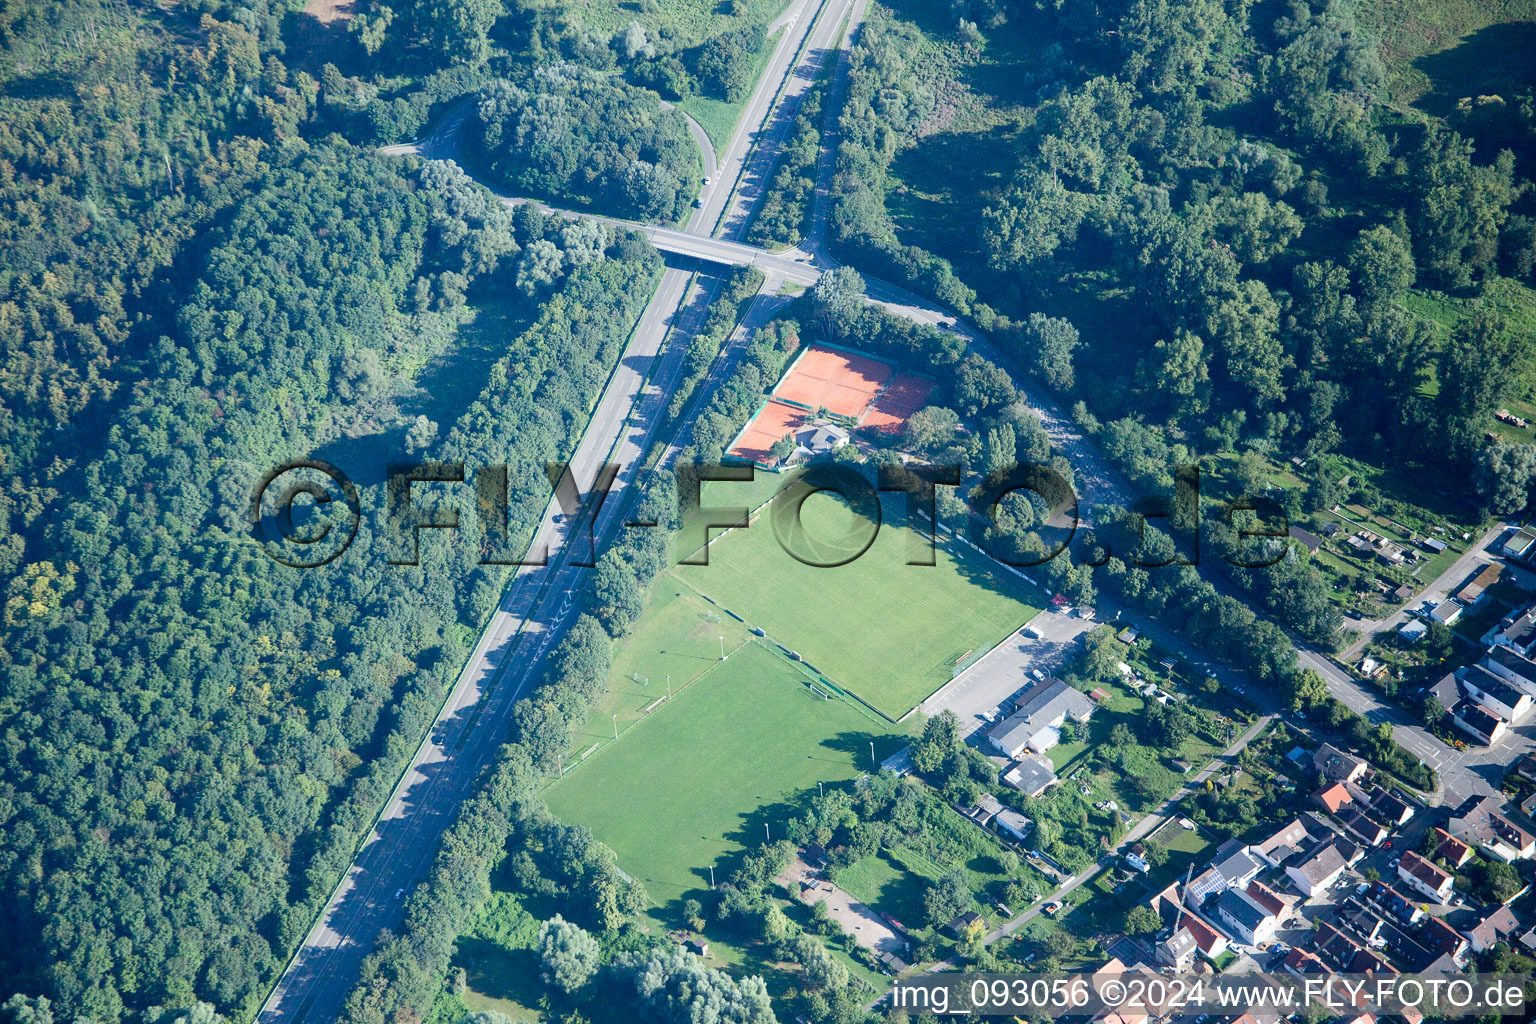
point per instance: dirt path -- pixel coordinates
(866, 927)
(327, 11)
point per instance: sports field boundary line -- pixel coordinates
(753, 515)
(604, 744)
(763, 634)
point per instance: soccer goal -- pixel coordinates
(642, 680)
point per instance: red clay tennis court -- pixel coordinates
(843, 383)
(905, 395)
(771, 423)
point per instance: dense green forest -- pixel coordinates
(201, 282)
(576, 135)
(1225, 200)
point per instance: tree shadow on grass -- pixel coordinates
(500, 973)
(1492, 61)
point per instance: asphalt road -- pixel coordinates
(757, 168)
(535, 608)
(473, 721)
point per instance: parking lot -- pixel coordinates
(1043, 645)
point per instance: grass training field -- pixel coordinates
(693, 783)
(888, 631)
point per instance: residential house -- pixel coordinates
(1451, 850)
(1526, 767)
(1482, 823)
(1206, 884)
(1270, 900)
(1333, 798)
(1527, 942)
(1441, 938)
(1497, 694)
(1299, 961)
(1208, 940)
(1372, 833)
(1336, 765)
(1446, 690)
(1030, 776)
(1499, 925)
(1478, 722)
(1320, 870)
(1390, 808)
(1517, 631)
(1363, 922)
(1424, 877)
(1336, 949)
(1249, 919)
(958, 924)
(1037, 723)
(1475, 591)
(1232, 867)
(1412, 631)
(1177, 950)
(1513, 667)
(1013, 824)
(985, 809)
(1393, 904)
(1283, 845)
(1235, 864)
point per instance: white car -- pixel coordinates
(399, 893)
(1037, 674)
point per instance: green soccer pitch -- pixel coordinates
(693, 783)
(888, 631)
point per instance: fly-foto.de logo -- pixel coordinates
(306, 513)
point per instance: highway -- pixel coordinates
(541, 600)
